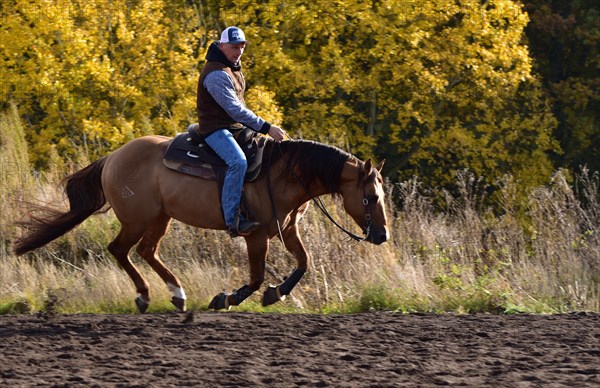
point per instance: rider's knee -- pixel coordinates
(239, 164)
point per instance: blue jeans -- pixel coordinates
(223, 143)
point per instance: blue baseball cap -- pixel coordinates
(233, 35)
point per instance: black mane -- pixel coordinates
(316, 161)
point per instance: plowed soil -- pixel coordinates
(244, 349)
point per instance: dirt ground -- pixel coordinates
(243, 349)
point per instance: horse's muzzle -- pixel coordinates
(377, 235)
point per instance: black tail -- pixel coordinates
(84, 190)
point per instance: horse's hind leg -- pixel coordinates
(148, 249)
(120, 247)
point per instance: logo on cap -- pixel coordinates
(233, 35)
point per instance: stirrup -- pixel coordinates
(242, 227)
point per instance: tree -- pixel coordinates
(564, 39)
(89, 75)
(431, 86)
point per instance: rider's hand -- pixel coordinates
(276, 133)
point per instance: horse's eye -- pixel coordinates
(372, 198)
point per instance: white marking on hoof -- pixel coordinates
(177, 291)
(279, 296)
(140, 297)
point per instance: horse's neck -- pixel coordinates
(350, 172)
(348, 176)
(314, 166)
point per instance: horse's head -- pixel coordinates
(364, 200)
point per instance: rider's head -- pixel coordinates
(233, 43)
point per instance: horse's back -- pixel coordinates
(140, 188)
(142, 146)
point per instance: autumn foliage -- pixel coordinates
(433, 87)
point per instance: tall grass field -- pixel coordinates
(465, 252)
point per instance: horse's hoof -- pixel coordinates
(219, 302)
(141, 304)
(271, 296)
(179, 303)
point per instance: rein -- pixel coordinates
(319, 204)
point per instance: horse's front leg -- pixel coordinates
(258, 247)
(294, 245)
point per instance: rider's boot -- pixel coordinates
(242, 226)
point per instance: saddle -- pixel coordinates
(189, 154)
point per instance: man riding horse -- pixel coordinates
(145, 196)
(222, 112)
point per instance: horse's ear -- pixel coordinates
(368, 165)
(379, 167)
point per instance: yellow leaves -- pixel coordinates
(429, 81)
(417, 37)
(99, 129)
(262, 101)
(96, 129)
(96, 70)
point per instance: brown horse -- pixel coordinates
(145, 196)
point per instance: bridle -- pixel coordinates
(366, 201)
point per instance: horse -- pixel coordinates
(145, 196)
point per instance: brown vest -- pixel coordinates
(210, 114)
